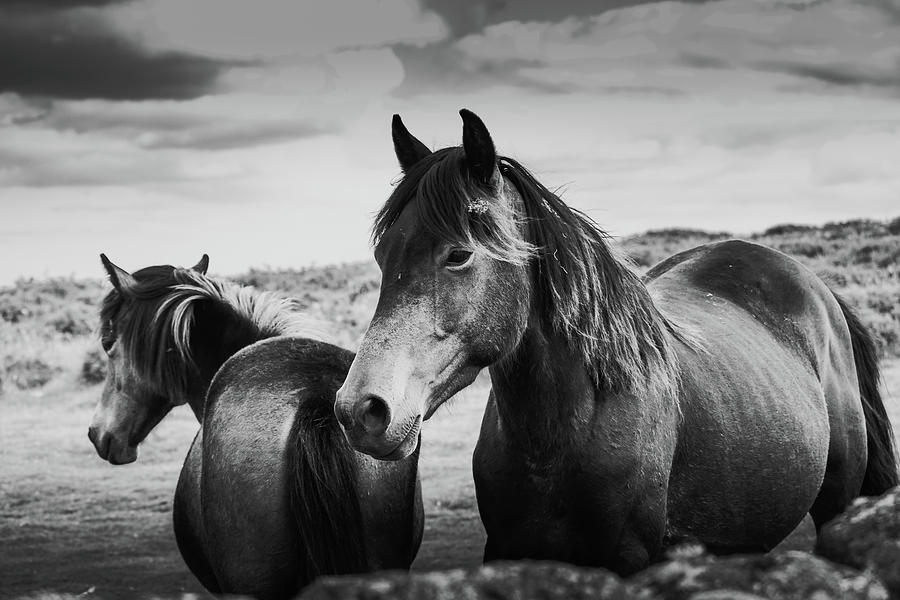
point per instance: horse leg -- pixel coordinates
(843, 478)
(846, 464)
(187, 519)
(642, 535)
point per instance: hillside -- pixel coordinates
(47, 326)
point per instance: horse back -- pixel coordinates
(776, 291)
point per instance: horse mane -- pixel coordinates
(153, 321)
(583, 291)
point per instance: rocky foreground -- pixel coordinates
(857, 556)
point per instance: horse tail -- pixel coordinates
(323, 493)
(881, 469)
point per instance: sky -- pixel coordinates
(259, 132)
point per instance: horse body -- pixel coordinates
(777, 378)
(270, 495)
(269, 409)
(648, 471)
(720, 399)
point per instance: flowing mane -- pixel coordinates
(583, 291)
(153, 324)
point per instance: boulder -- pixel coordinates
(496, 581)
(867, 536)
(695, 575)
(802, 538)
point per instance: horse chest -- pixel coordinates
(541, 511)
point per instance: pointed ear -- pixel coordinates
(203, 265)
(479, 148)
(120, 278)
(408, 149)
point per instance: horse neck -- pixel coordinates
(217, 334)
(541, 390)
(548, 395)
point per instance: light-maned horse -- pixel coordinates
(719, 399)
(270, 495)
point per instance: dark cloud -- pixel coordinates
(704, 61)
(58, 55)
(238, 135)
(52, 5)
(441, 67)
(464, 18)
(30, 168)
(153, 125)
(839, 75)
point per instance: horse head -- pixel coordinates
(454, 296)
(131, 404)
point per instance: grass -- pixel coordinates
(72, 524)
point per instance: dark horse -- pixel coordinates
(270, 495)
(720, 399)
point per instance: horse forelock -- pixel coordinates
(454, 207)
(583, 291)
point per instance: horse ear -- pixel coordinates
(203, 265)
(408, 149)
(121, 279)
(479, 148)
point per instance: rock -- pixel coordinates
(784, 575)
(802, 538)
(496, 581)
(867, 536)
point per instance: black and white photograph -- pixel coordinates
(446, 299)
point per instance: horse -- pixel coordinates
(270, 495)
(719, 399)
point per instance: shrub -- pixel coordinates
(855, 227)
(30, 373)
(803, 248)
(642, 257)
(69, 323)
(894, 227)
(789, 229)
(885, 332)
(93, 369)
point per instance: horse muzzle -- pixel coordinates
(112, 448)
(370, 426)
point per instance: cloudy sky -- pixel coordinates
(259, 132)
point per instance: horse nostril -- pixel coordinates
(373, 415)
(344, 416)
(102, 444)
(92, 435)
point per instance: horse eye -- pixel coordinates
(458, 258)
